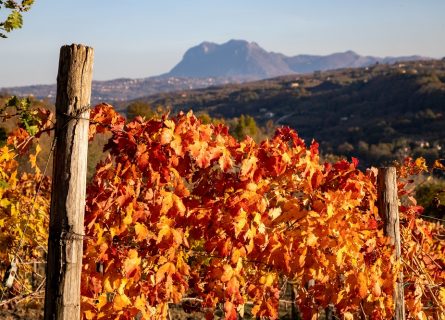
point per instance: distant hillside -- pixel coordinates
(247, 60)
(123, 89)
(210, 64)
(348, 59)
(377, 113)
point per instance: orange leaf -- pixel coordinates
(230, 311)
(362, 285)
(132, 264)
(142, 232)
(248, 167)
(167, 269)
(225, 161)
(438, 165)
(20, 139)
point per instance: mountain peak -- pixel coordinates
(236, 41)
(234, 58)
(247, 60)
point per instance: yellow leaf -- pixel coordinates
(164, 232)
(339, 258)
(339, 297)
(274, 213)
(166, 135)
(167, 201)
(255, 309)
(270, 278)
(120, 302)
(101, 301)
(311, 240)
(122, 285)
(129, 217)
(33, 158)
(89, 315)
(442, 295)
(235, 255)
(421, 163)
(228, 273)
(108, 285)
(141, 231)
(140, 303)
(178, 205)
(240, 222)
(4, 203)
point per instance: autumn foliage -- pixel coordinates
(24, 218)
(181, 209)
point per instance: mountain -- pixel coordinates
(235, 58)
(348, 59)
(247, 60)
(211, 64)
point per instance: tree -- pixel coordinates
(145, 110)
(14, 19)
(245, 126)
(430, 195)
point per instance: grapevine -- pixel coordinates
(182, 210)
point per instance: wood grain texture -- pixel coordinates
(62, 298)
(388, 204)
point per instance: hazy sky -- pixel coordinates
(140, 38)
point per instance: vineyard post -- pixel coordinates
(389, 210)
(64, 263)
(294, 314)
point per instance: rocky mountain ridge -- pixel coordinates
(210, 64)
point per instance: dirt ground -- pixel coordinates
(21, 314)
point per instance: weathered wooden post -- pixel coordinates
(330, 312)
(388, 205)
(294, 312)
(62, 297)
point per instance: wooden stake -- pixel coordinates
(62, 296)
(294, 312)
(388, 205)
(330, 312)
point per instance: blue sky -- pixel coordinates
(140, 38)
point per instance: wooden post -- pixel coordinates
(294, 312)
(389, 210)
(330, 312)
(62, 296)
